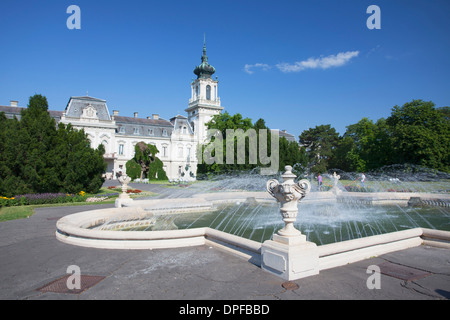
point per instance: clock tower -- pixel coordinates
(204, 102)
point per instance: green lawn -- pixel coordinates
(13, 213)
(22, 212)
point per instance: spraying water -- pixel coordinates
(324, 220)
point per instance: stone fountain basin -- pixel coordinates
(79, 229)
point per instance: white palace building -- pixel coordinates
(176, 139)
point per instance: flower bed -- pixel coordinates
(119, 189)
(51, 198)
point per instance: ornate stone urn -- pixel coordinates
(124, 197)
(288, 194)
(124, 181)
(288, 254)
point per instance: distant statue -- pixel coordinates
(335, 179)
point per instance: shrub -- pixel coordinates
(133, 169)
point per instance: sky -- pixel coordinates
(296, 64)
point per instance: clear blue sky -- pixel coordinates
(296, 64)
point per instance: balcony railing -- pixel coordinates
(204, 101)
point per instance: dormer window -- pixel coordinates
(150, 132)
(122, 130)
(164, 133)
(184, 130)
(136, 131)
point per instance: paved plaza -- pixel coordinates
(31, 257)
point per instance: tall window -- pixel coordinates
(208, 92)
(164, 151)
(121, 149)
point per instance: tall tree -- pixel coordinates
(320, 143)
(371, 145)
(291, 154)
(38, 157)
(420, 135)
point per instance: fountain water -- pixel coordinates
(233, 212)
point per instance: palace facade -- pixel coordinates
(176, 139)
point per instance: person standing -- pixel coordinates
(363, 179)
(319, 179)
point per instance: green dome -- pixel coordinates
(204, 70)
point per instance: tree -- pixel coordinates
(239, 127)
(320, 143)
(10, 158)
(291, 154)
(420, 135)
(38, 157)
(365, 145)
(145, 163)
(244, 137)
(345, 158)
(144, 155)
(76, 165)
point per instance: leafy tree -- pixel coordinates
(291, 154)
(38, 157)
(420, 135)
(320, 143)
(133, 169)
(144, 155)
(445, 111)
(239, 126)
(76, 165)
(10, 158)
(364, 146)
(345, 157)
(145, 163)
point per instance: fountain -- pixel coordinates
(236, 215)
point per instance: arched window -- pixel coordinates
(208, 92)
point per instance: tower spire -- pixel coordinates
(204, 70)
(204, 57)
